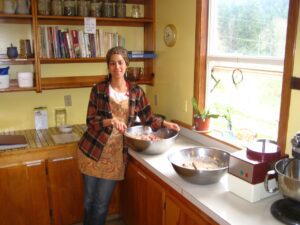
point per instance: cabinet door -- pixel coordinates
(133, 196)
(66, 190)
(172, 212)
(178, 213)
(141, 198)
(23, 194)
(155, 202)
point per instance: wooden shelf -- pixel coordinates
(15, 18)
(42, 82)
(101, 21)
(82, 60)
(13, 87)
(49, 83)
(17, 61)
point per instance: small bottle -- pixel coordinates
(83, 8)
(56, 8)
(135, 11)
(44, 7)
(107, 8)
(120, 9)
(95, 8)
(69, 8)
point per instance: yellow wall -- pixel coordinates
(294, 117)
(174, 65)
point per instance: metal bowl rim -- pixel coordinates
(197, 147)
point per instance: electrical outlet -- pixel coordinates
(155, 100)
(68, 100)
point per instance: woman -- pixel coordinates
(113, 106)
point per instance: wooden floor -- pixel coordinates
(110, 221)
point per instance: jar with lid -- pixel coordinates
(135, 11)
(56, 8)
(44, 7)
(120, 9)
(84, 8)
(69, 8)
(107, 8)
(95, 9)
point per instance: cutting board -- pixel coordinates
(12, 141)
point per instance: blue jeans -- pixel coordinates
(97, 195)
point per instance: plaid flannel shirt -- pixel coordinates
(96, 135)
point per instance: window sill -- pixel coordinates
(215, 135)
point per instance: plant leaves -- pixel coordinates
(195, 106)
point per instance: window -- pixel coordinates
(240, 64)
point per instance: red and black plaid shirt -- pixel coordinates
(96, 135)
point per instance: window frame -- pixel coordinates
(201, 44)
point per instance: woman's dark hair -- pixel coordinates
(117, 50)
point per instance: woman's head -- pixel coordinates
(119, 51)
(117, 63)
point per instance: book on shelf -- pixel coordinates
(59, 42)
(142, 54)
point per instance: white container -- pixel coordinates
(4, 81)
(25, 79)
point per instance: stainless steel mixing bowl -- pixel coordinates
(288, 172)
(197, 154)
(154, 147)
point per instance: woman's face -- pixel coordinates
(117, 66)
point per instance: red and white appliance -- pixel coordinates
(248, 168)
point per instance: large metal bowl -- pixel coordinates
(200, 174)
(288, 172)
(154, 147)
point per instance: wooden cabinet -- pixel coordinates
(43, 81)
(179, 213)
(146, 199)
(23, 194)
(43, 192)
(66, 190)
(141, 198)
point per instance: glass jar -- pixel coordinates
(60, 117)
(44, 7)
(69, 8)
(135, 11)
(56, 8)
(83, 8)
(120, 9)
(107, 9)
(95, 10)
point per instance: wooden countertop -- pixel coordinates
(41, 146)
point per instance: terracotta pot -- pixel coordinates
(201, 125)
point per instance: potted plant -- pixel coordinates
(202, 119)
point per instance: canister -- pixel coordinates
(25, 79)
(4, 77)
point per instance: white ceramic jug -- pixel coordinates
(23, 6)
(9, 6)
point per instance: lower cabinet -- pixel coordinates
(44, 192)
(142, 199)
(23, 194)
(149, 201)
(179, 213)
(66, 190)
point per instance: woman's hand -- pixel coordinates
(172, 126)
(119, 125)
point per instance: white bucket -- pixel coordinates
(25, 79)
(4, 81)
